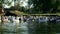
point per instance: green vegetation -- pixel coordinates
(39, 6)
(22, 13)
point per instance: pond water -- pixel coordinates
(57, 33)
(30, 28)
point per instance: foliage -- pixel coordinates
(39, 6)
(46, 6)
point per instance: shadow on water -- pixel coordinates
(42, 28)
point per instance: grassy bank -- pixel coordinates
(22, 13)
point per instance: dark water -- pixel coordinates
(30, 28)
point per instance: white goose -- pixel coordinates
(15, 20)
(5, 20)
(0, 18)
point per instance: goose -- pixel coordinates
(5, 20)
(0, 18)
(15, 20)
(43, 19)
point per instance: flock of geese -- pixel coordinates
(16, 19)
(7, 19)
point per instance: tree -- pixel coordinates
(7, 3)
(0, 6)
(45, 5)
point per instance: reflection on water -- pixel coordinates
(12, 28)
(30, 27)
